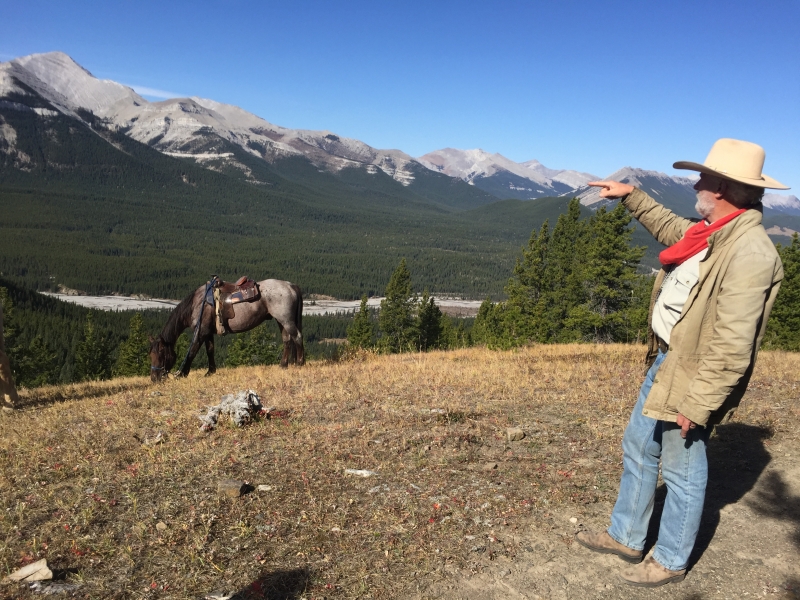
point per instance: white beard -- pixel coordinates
(705, 205)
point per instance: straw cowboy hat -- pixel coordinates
(736, 160)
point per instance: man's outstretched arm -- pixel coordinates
(662, 223)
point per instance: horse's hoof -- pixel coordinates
(208, 373)
(284, 366)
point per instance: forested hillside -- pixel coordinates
(46, 339)
(96, 211)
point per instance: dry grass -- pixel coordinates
(79, 488)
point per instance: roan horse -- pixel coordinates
(278, 299)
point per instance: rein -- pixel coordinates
(206, 294)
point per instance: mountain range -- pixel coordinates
(89, 166)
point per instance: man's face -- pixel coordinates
(706, 188)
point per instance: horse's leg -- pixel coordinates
(212, 364)
(195, 348)
(295, 343)
(287, 341)
(301, 352)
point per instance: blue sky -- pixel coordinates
(584, 85)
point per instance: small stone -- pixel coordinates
(490, 466)
(161, 526)
(36, 571)
(231, 487)
(573, 520)
(219, 596)
(264, 488)
(514, 434)
(360, 472)
(158, 438)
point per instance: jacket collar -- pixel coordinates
(747, 220)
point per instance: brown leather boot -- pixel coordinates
(650, 574)
(602, 542)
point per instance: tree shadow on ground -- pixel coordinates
(736, 458)
(774, 499)
(39, 397)
(277, 585)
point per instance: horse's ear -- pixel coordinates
(151, 338)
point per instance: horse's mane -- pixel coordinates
(178, 320)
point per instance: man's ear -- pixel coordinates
(722, 189)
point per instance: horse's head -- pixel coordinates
(162, 359)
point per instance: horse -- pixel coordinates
(277, 299)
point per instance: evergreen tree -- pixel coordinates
(564, 274)
(783, 329)
(92, 361)
(9, 330)
(609, 277)
(253, 348)
(454, 335)
(521, 319)
(36, 365)
(359, 332)
(495, 325)
(133, 356)
(397, 311)
(428, 323)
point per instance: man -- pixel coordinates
(8, 391)
(710, 305)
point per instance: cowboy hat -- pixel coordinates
(735, 160)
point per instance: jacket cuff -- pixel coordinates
(696, 415)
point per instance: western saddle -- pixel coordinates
(226, 294)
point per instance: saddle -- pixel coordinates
(227, 294)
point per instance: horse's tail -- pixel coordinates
(298, 350)
(299, 308)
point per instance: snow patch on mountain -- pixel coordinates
(472, 164)
(189, 126)
(782, 203)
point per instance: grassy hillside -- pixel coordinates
(450, 502)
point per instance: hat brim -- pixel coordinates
(764, 182)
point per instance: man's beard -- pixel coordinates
(705, 205)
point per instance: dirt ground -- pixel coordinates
(748, 546)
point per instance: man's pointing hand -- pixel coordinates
(612, 189)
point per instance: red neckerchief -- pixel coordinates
(694, 240)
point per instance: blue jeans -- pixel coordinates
(684, 469)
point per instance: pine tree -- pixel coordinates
(397, 310)
(563, 275)
(360, 331)
(133, 353)
(495, 325)
(783, 329)
(253, 348)
(92, 356)
(37, 365)
(9, 330)
(609, 277)
(428, 323)
(521, 316)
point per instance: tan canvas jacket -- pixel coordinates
(713, 345)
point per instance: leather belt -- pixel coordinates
(662, 345)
